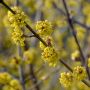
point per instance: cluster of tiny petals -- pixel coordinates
(8, 82)
(44, 28)
(50, 55)
(66, 79)
(79, 73)
(15, 84)
(17, 21)
(4, 78)
(48, 40)
(17, 36)
(18, 18)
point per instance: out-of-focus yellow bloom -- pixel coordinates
(73, 46)
(29, 56)
(15, 85)
(75, 55)
(88, 62)
(5, 78)
(88, 20)
(72, 3)
(79, 73)
(80, 32)
(86, 9)
(44, 28)
(66, 79)
(50, 55)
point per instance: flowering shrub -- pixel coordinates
(40, 39)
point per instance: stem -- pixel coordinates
(21, 71)
(73, 32)
(3, 3)
(33, 77)
(69, 68)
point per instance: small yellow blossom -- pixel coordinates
(66, 79)
(44, 28)
(18, 18)
(15, 85)
(29, 56)
(50, 55)
(79, 73)
(17, 36)
(5, 78)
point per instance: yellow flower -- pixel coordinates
(29, 56)
(50, 55)
(17, 36)
(80, 32)
(86, 9)
(18, 18)
(44, 28)
(5, 78)
(79, 73)
(15, 85)
(66, 79)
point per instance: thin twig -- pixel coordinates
(34, 79)
(29, 36)
(73, 31)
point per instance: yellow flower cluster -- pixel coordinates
(5, 78)
(75, 55)
(50, 55)
(79, 73)
(66, 79)
(15, 85)
(8, 82)
(44, 28)
(48, 40)
(17, 21)
(29, 56)
(18, 18)
(17, 36)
